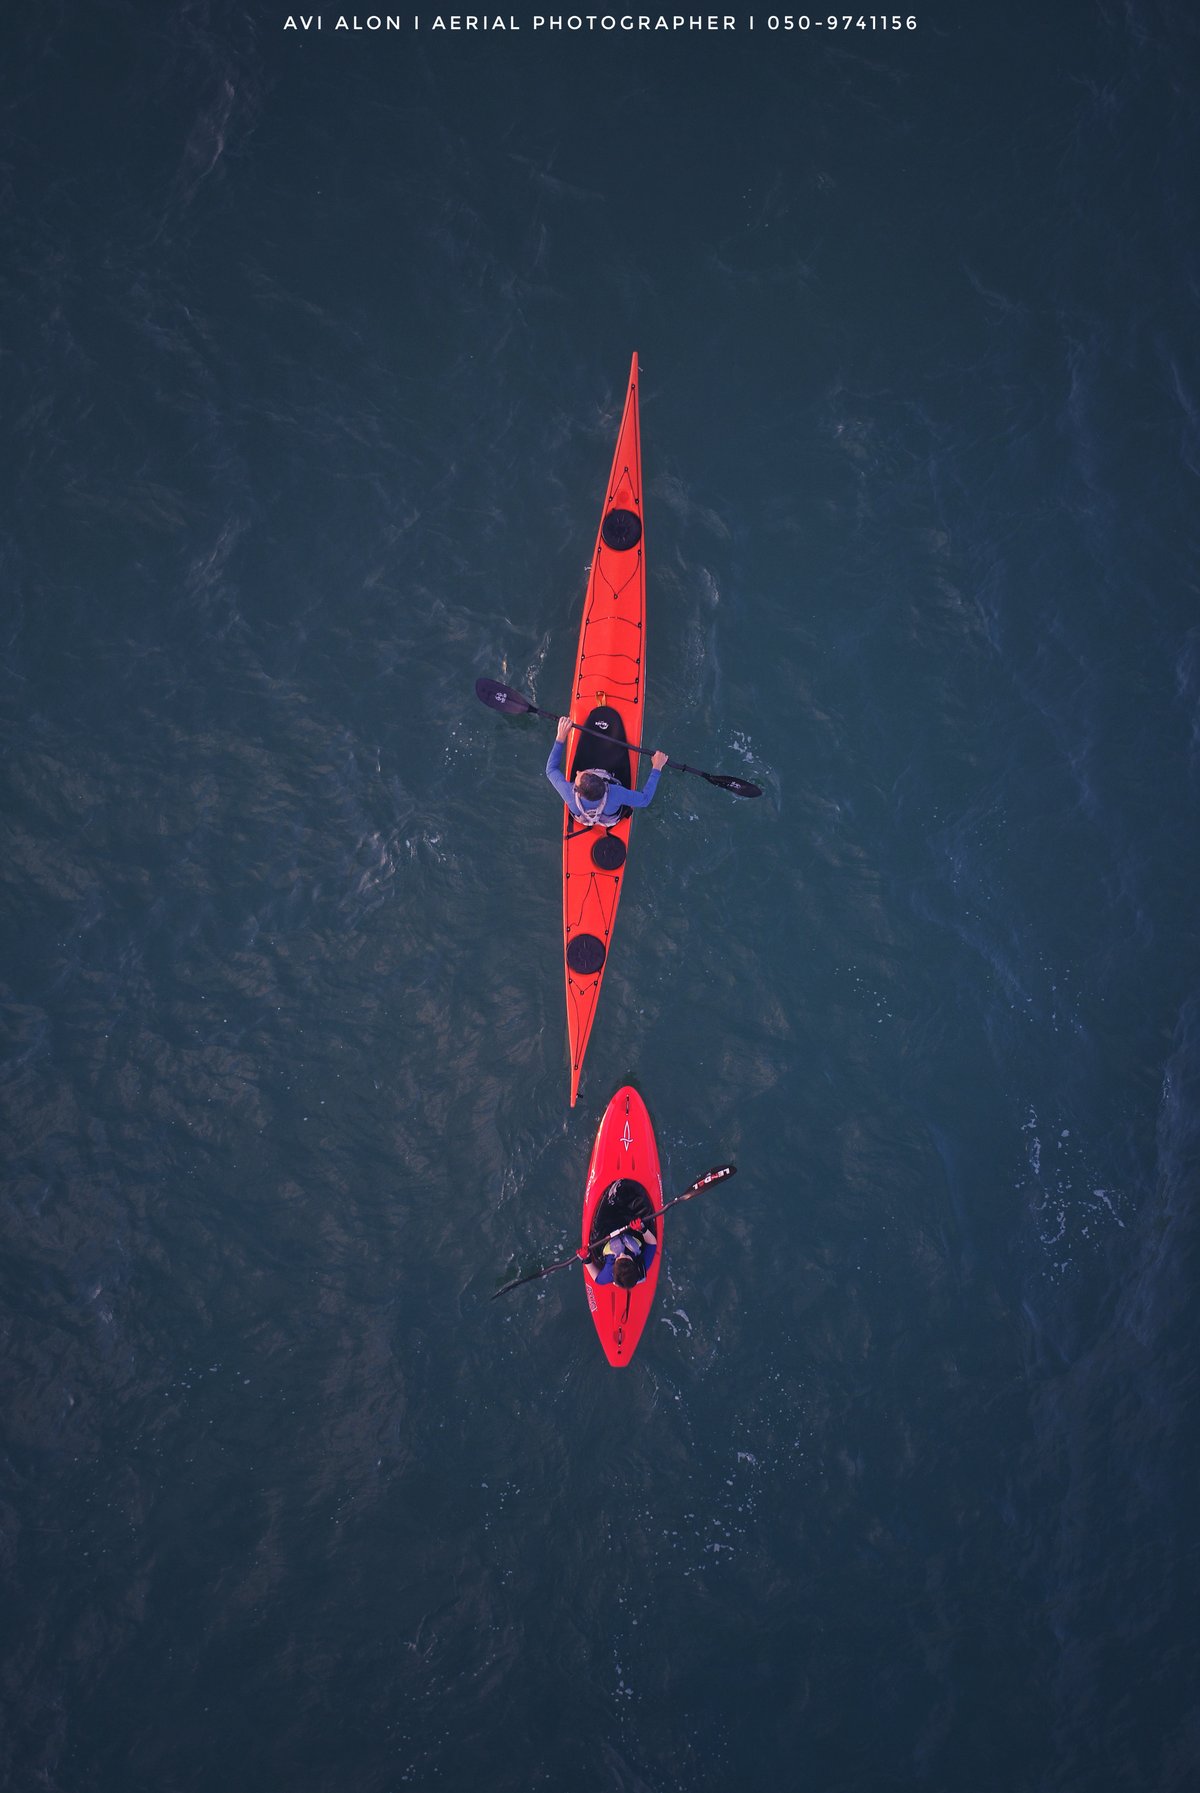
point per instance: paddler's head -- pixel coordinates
(589, 787)
(625, 1271)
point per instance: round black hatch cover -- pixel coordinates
(585, 954)
(608, 852)
(621, 530)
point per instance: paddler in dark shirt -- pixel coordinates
(596, 798)
(624, 1260)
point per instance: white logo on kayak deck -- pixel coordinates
(626, 1140)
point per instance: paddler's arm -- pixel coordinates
(554, 765)
(591, 1258)
(643, 798)
(649, 1241)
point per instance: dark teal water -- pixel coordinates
(312, 358)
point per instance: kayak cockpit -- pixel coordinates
(610, 755)
(622, 1201)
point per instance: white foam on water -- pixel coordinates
(1072, 1207)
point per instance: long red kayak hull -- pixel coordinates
(609, 687)
(625, 1147)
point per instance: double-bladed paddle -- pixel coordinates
(717, 1175)
(504, 698)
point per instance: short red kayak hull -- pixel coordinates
(625, 1147)
(609, 686)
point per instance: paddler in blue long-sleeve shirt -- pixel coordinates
(596, 798)
(625, 1256)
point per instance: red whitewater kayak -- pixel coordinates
(624, 1153)
(607, 695)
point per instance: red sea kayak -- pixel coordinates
(608, 695)
(625, 1152)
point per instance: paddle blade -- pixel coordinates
(503, 697)
(741, 787)
(716, 1175)
(530, 1276)
(535, 1275)
(517, 1281)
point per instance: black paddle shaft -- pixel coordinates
(716, 1175)
(503, 697)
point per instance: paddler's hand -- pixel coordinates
(658, 760)
(584, 1254)
(637, 1224)
(564, 728)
